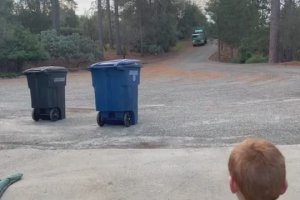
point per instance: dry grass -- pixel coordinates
(258, 78)
(291, 63)
(165, 70)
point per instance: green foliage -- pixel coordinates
(256, 43)
(8, 75)
(88, 28)
(235, 19)
(189, 16)
(69, 18)
(34, 21)
(145, 26)
(69, 30)
(69, 47)
(257, 58)
(236, 60)
(50, 40)
(19, 46)
(21, 23)
(6, 19)
(241, 24)
(290, 31)
(165, 34)
(6, 10)
(149, 27)
(33, 15)
(298, 53)
(22, 46)
(154, 49)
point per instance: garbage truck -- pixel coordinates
(199, 36)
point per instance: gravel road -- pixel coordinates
(185, 101)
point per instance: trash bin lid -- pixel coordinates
(45, 69)
(117, 63)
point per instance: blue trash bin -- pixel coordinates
(116, 91)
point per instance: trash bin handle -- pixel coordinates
(120, 68)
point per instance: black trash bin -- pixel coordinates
(47, 89)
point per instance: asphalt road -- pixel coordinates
(184, 102)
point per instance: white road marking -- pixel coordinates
(158, 106)
(151, 106)
(290, 100)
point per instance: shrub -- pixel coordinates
(19, 47)
(8, 75)
(69, 30)
(236, 60)
(69, 47)
(154, 49)
(23, 46)
(50, 42)
(257, 58)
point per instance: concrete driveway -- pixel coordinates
(191, 112)
(134, 174)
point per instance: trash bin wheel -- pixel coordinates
(100, 121)
(54, 114)
(35, 114)
(127, 119)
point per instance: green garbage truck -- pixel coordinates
(199, 37)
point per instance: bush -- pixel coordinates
(154, 49)
(19, 47)
(243, 55)
(8, 75)
(257, 58)
(69, 30)
(298, 54)
(69, 47)
(23, 46)
(236, 60)
(50, 42)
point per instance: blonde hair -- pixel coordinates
(258, 168)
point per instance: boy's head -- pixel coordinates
(257, 170)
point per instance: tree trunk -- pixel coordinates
(111, 42)
(38, 6)
(100, 29)
(55, 15)
(44, 4)
(274, 31)
(118, 38)
(139, 7)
